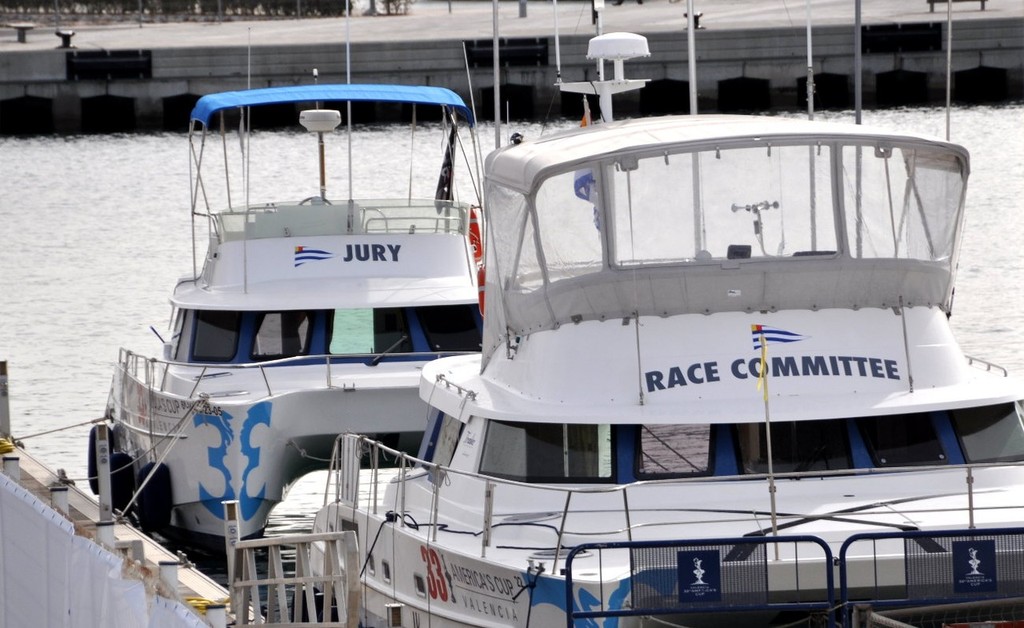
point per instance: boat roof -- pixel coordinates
(411, 94)
(326, 293)
(520, 166)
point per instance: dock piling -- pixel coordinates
(5, 405)
(230, 535)
(216, 616)
(105, 534)
(169, 575)
(12, 468)
(59, 499)
(103, 472)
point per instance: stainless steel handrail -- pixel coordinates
(374, 469)
(147, 369)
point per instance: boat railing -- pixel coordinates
(354, 454)
(155, 373)
(372, 216)
(322, 582)
(943, 572)
(986, 365)
(657, 569)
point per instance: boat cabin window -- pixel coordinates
(443, 431)
(900, 440)
(902, 202)
(796, 446)
(548, 452)
(691, 207)
(450, 327)
(178, 349)
(369, 331)
(991, 433)
(282, 335)
(216, 335)
(570, 233)
(673, 450)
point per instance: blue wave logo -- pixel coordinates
(305, 254)
(549, 590)
(217, 459)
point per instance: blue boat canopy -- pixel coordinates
(412, 94)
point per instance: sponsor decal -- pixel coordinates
(974, 566)
(775, 366)
(305, 254)
(371, 252)
(761, 366)
(479, 592)
(700, 576)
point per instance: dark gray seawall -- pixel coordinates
(131, 77)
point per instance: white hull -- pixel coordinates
(457, 571)
(252, 450)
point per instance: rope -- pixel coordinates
(201, 603)
(6, 446)
(302, 452)
(67, 427)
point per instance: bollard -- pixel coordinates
(12, 468)
(169, 576)
(105, 534)
(230, 535)
(59, 499)
(103, 472)
(5, 407)
(217, 616)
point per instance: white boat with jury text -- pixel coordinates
(303, 318)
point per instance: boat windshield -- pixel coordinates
(673, 450)
(366, 330)
(850, 216)
(547, 452)
(553, 453)
(761, 201)
(226, 336)
(795, 446)
(992, 433)
(282, 335)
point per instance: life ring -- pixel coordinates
(481, 283)
(475, 239)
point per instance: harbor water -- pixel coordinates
(95, 231)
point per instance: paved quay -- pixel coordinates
(751, 56)
(433, 20)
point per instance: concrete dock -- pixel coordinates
(751, 56)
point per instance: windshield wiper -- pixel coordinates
(380, 356)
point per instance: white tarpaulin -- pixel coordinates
(51, 577)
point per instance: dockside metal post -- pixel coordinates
(105, 534)
(217, 616)
(169, 576)
(59, 499)
(230, 536)
(103, 472)
(5, 407)
(12, 468)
